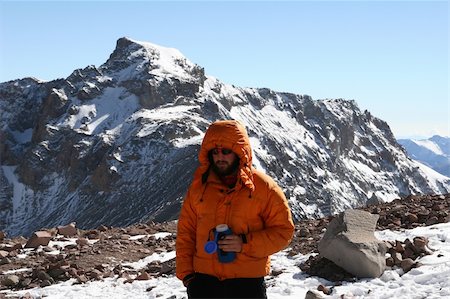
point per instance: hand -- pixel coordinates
(231, 243)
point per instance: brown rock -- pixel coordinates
(82, 241)
(2, 235)
(96, 274)
(92, 234)
(72, 272)
(397, 257)
(397, 222)
(399, 247)
(67, 230)
(3, 254)
(438, 207)
(409, 253)
(420, 242)
(143, 276)
(313, 295)
(5, 261)
(324, 289)
(304, 232)
(137, 232)
(432, 220)
(25, 283)
(9, 247)
(390, 262)
(39, 238)
(10, 280)
(412, 218)
(407, 264)
(82, 279)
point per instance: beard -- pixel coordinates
(223, 168)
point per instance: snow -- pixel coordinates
(169, 61)
(105, 112)
(431, 145)
(432, 175)
(20, 192)
(427, 281)
(258, 151)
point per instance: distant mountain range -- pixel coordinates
(117, 144)
(433, 152)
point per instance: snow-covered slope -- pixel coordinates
(433, 152)
(429, 280)
(118, 144)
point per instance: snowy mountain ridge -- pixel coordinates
(118, 144)
(434, 152)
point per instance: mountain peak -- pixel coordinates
(137, 56)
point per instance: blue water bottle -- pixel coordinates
(220, 232)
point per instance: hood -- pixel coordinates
(233, 135)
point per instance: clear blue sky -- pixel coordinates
(391, 57)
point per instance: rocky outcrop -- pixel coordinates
(350, 243)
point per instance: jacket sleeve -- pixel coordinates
(186, 238)
(278, 227)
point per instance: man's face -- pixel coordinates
(224, 161)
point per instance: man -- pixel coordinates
(226, 189)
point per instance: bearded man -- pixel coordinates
(227, 191)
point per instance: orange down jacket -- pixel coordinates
(256, 206)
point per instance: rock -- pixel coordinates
(95, 274)
(137, 231)
(5, 261)
(27, 296)
(412, 218)
(313, 295)
(25, 283)
(45, 283)
(39, 238)
(396, 256)
(350, 243)
(43, 276)
(143, 276)
(2, 235)
(67, 230)
(82, 279)
(399, 247)
(324, 289)
(102, 228)
(420, 244)
(9, 247)
(3, 254)
(82, 242)
(407, 264)
(390, 262)
(10, 280)
(432, 220)
(304, 232)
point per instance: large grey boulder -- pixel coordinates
(350, 243)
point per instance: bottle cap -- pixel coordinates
(210, 247)
(221, 228)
